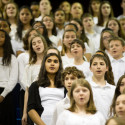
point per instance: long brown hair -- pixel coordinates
(90, 106)
(33, 56)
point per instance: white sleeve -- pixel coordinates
(26, 78)
(21, 67)
(101, 118)
(13, 77)
(88, 50)
(61, 119)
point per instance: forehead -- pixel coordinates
(36, 38)
(98, 59)
(105, 4)
(34, 6)
(120, 98)
(53, 57)
(77, 4)
(44, 1)
(59, 12)
(113, 21)
(115, 42)
(70, 33)
(4, 23)
(71, 75)
(11, 4)
(86, 18)
(106, 33)
(25, 10)
(52, 51)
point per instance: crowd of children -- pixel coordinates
(70, 64)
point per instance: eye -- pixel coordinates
(56, 61)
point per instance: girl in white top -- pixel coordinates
(46, 91)
(114, 24)
(25, 20)
(11, 13)
(37, 48)
(52, 34)
(8, 79)
(45, 9)
(119, 106)
(68, 37)
(103, 91)
(105, 12)
(23, 60)
(106, 35)
(94, 9)
(82, 110)
(66, 6)
(77, 49)
(76, 10)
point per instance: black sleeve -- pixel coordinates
(34, 101)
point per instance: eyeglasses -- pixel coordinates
(107, 37)
(37, 27)
(47, 20)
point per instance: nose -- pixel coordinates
(120, 106)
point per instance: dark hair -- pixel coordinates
(20, 24)
(58, 10)
(51, 47)
(120, 31)
(102, 47)
(2, 19)
(43, 79)
(100, 17)
(109, 73)
(45, 32)
(117, 93)
(80, 42)
(72, 24)
(63, 46)
(83, 36)
(54, 32)
(90, 8)
(7, 49)
(34, 3)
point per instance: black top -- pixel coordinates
(34, 101)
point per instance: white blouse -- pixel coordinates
(8, 75)
(30, 74)
(70, 118)
(23, 60)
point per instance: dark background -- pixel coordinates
(55, 3)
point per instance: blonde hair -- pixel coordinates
(90, 106)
